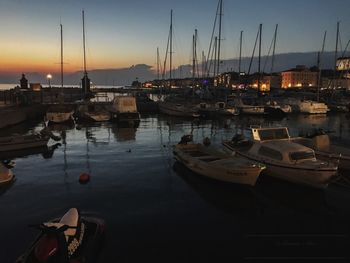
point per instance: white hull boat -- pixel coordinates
(217, 165)
(326, 151)
(178, 109)
(59, 114)
(93, 112)
(284, 159)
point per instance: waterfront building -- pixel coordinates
(299, 77)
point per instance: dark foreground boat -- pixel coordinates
(73, 238)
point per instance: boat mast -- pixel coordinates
(259, 70)
(61, 56)
(274, 49)
(158, 63)
(193, 58)
(171, 44)
(336, 53)
(203, 64)
(319, 66)
(215, 54)
(84, 43)
(219, 43)
(194, 55)
(85, 80)
(240, 57)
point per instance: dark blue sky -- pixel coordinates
(122, 33)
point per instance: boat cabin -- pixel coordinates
(125, 104)
(275, 144)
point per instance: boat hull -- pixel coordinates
(177, 110)
(59, 117)
(314, 177)
(221, 170)
(253, 110)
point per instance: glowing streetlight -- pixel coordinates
(49, 77)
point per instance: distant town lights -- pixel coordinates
(49, 77)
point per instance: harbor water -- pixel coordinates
(156, 210)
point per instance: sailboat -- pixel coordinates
(60, 113)
(175, 106)
(87, 109)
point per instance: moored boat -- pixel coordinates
(217, 165)
(284, 159)
(325, 150)
(178, 109)
(59, 114)
(95, 112)
(124, 111)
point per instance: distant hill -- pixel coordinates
(143, 72)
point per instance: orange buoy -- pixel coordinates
(84, 178)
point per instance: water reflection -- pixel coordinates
(230, 198)
(297, 198)
(46, 152)
(123, 134)
(5, 187)
(59, 127)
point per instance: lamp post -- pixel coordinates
(49, 77)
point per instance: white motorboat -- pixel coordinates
(178, 109)
(325, 150)
(284, 158)
(59, 114)
(124, 111)
(214, 164)
(90, 111)
(313, 107)
(308, 106)
(249, 109)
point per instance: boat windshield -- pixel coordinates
(296, 156)
(273, 134)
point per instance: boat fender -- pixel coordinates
(84, 178)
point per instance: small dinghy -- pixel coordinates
(212, 163)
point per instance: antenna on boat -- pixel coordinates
(61, 55)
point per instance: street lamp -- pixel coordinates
(49, 77)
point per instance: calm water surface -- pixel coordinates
(157, 210)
